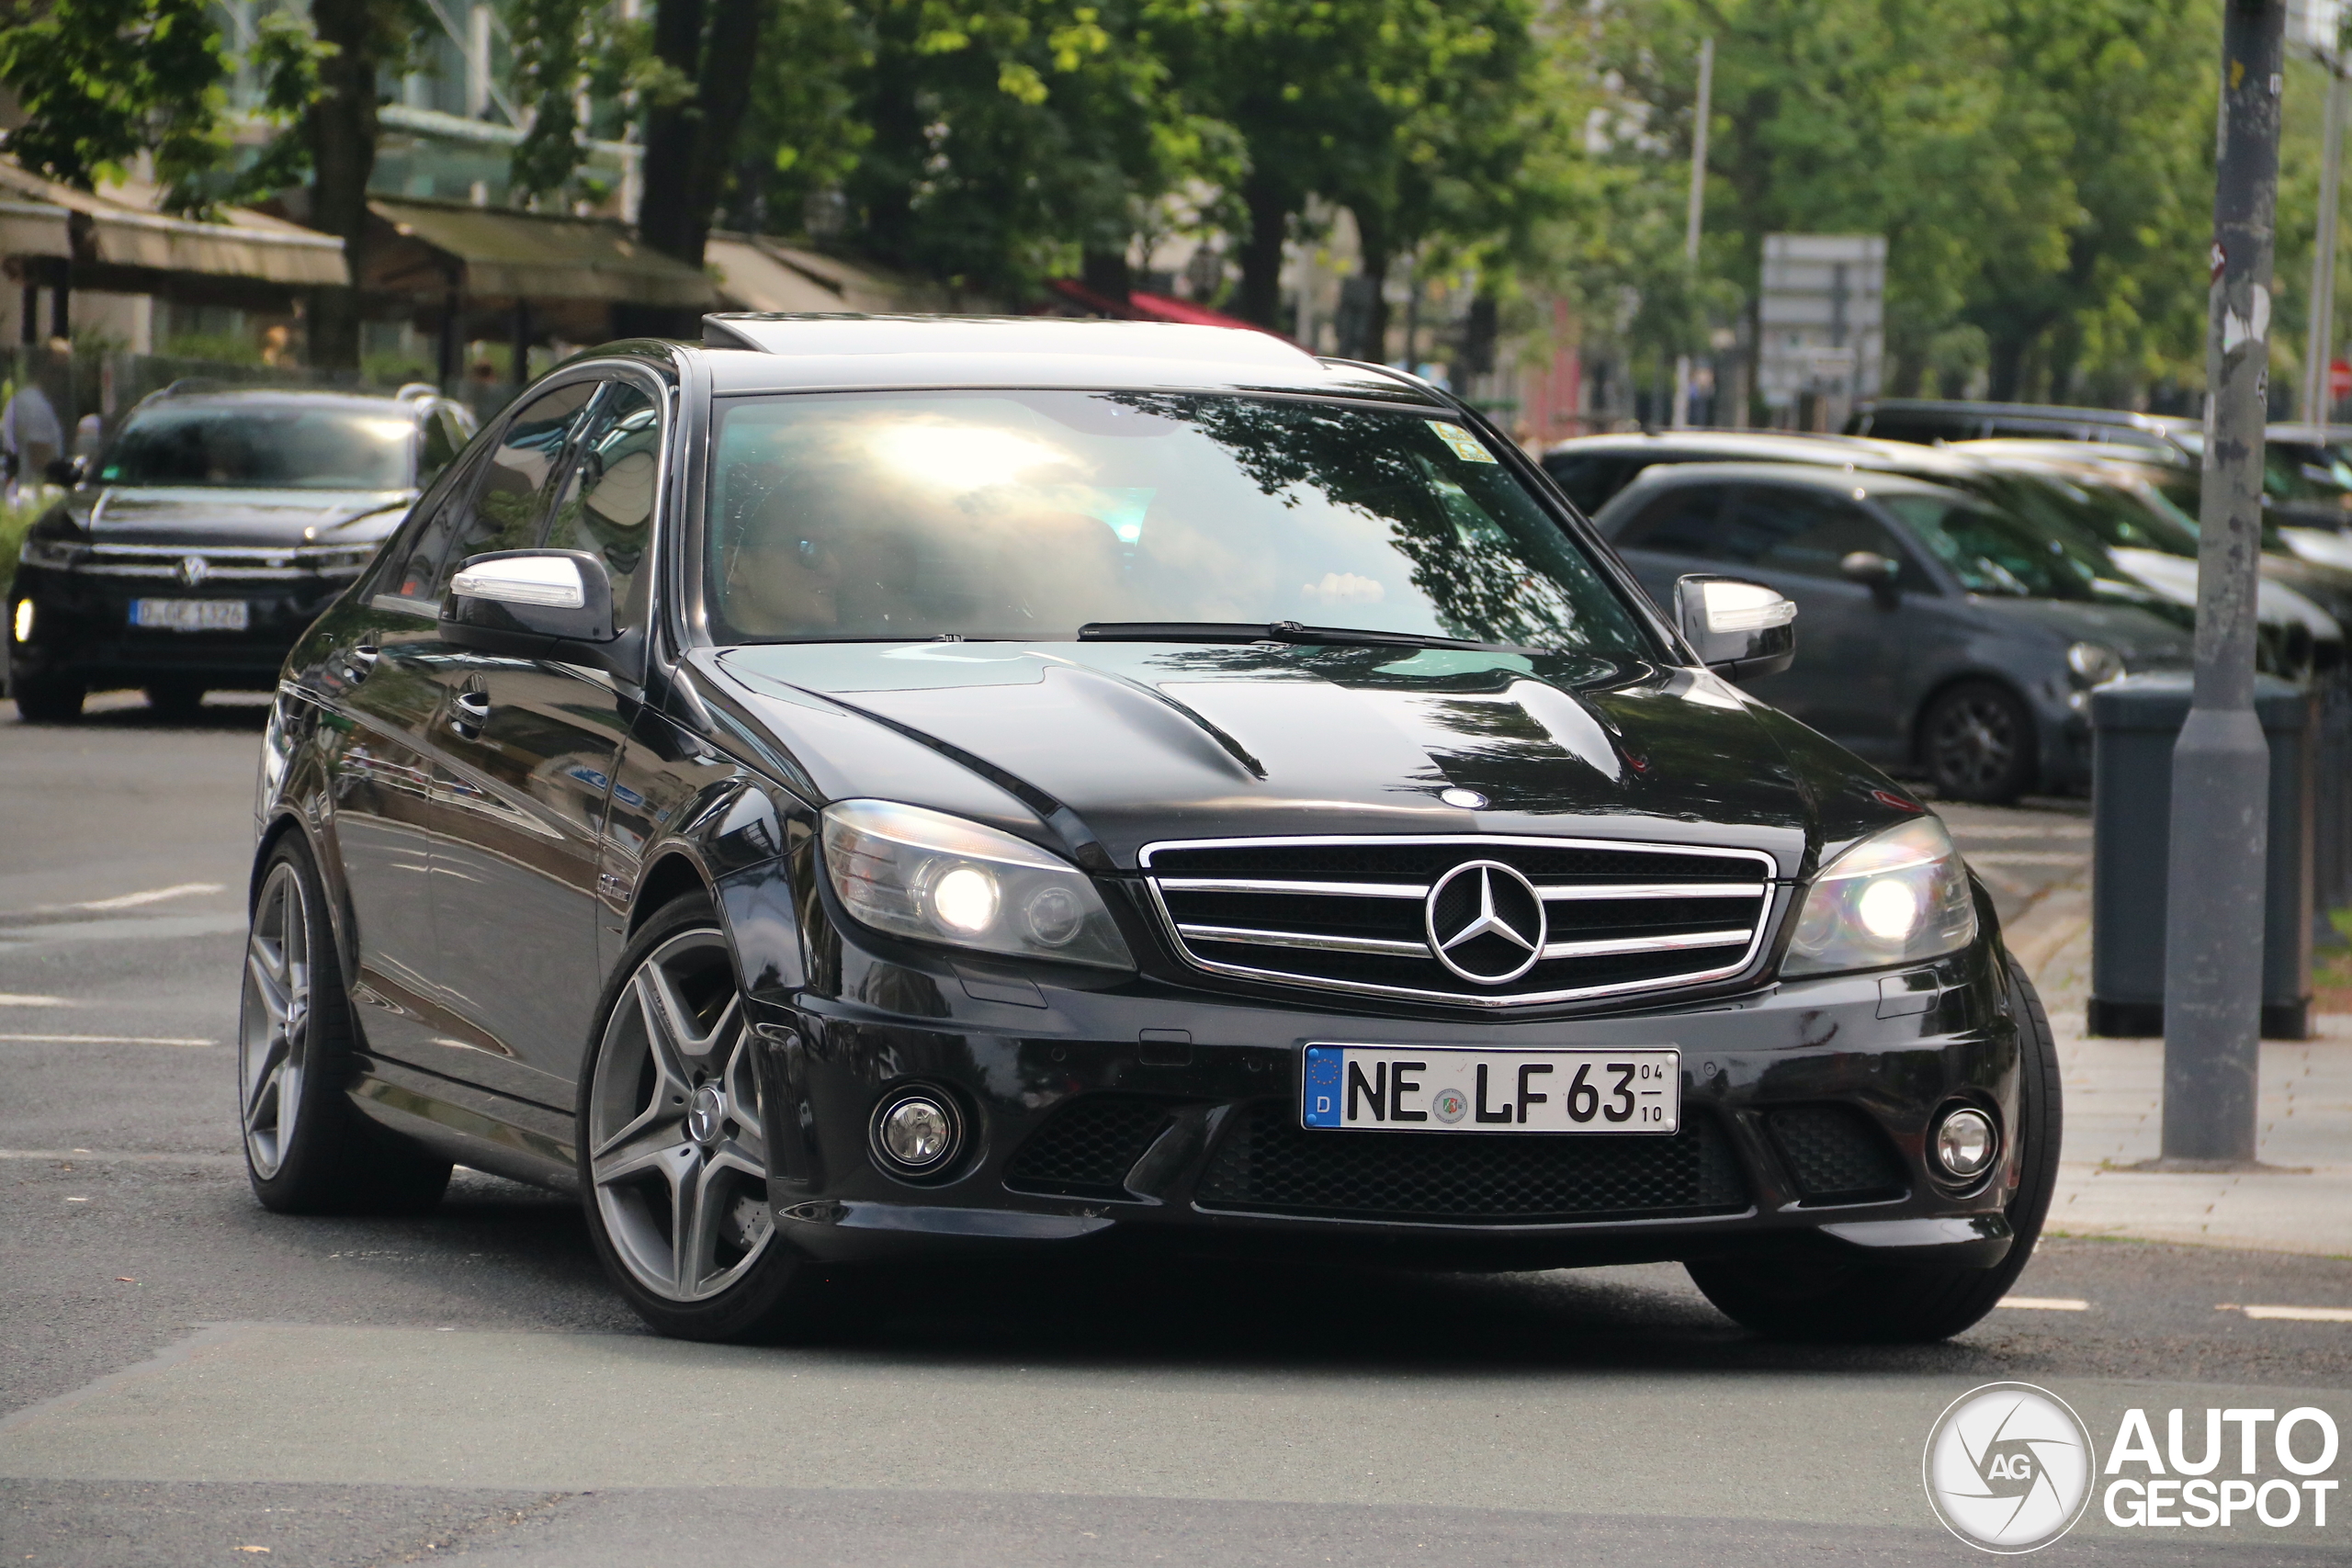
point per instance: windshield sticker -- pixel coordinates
(1466, 446)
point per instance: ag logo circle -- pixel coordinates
(2008, 1467)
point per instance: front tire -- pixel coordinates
(1808, 1300)
(673, 1162)
(308, 1148)
(47, 699)
(1980, 744)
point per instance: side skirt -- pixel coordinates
(473, 1126)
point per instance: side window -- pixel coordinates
(1806, 532)
(405, 569)
(605, 506)
(1688, 520)
(505, 507)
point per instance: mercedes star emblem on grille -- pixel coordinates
(1485, 922)
(194, 570)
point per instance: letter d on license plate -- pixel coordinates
(1407, 1088)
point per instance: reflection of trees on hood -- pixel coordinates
(1493, 568)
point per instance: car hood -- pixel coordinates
(2275, 602)
(125, 514)
(1125, 745)
(2144, 641)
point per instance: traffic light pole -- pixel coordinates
(2220, 768)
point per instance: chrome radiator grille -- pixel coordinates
(1465, 918)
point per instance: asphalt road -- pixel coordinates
(186, 1379)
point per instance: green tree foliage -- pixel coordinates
(102, 81)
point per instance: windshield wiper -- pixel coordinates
(1277, 631)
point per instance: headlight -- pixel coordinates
(336, 560)
(58, 554)
(2092, 664)
(1896, 897)
(924, 874)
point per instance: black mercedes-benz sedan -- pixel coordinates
(212, 529)
(858, 790)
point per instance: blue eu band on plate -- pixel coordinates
(1427, 1089)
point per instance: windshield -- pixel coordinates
(264, 446)
(1030, 514)
(1991, 553)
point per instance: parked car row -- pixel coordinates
(1959, 601)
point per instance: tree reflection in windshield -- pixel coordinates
(1030, 513)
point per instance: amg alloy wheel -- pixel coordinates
(672, 1150)
(308, 1149)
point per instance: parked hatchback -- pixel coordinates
(212, 529)
(1938, 632)
(902, 789)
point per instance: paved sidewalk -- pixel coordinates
(2114, 1099)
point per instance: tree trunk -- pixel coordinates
(689, 145)
(342, 159)
(724, 92)
(1107, 274)
(2006, 370)
(1269, 207)
(670, 130)
(1375, 249)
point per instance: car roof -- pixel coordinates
(756, 352)
(1846, 481)
(1767, 443)
(1976, 409)
(376, 403)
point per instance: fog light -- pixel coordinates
(1965, 1143)
(917, 1131)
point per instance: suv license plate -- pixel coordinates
(1431, 1089)
(191, 614)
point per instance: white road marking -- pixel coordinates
(99, 1039)
(2046, 1303)
(151, 896)
(2292, 1314)
(16, 999)
(1964, 831)
(117, 1155)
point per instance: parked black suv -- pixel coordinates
(212, 529)
(859, 789)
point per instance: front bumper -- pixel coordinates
(1083, 1132)
(82, 628)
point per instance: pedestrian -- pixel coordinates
(30, 436)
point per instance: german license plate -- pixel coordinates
(191, 614)
(1425, 1089)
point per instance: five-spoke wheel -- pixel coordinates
(273, 1032)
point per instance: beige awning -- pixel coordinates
(34, 229)
(497, 254)
(757, 273)
(124, 232)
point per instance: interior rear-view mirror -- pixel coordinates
(1740, 630)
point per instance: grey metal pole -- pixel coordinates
(2220, 768)
(1697, 213)
(2319, 335)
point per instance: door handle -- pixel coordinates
(360, 662)
(473, 712)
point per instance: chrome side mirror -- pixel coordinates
(1740, 630)
(522, 602)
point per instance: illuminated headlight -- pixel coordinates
(1896, 897)
(2093, 664)
(23, 621)
(933, 877)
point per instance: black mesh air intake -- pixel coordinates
(1837, 1154)
(1086, 1148)
(1268, 1164)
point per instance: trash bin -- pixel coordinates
(2134, 722)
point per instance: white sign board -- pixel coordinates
(1821, 320)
